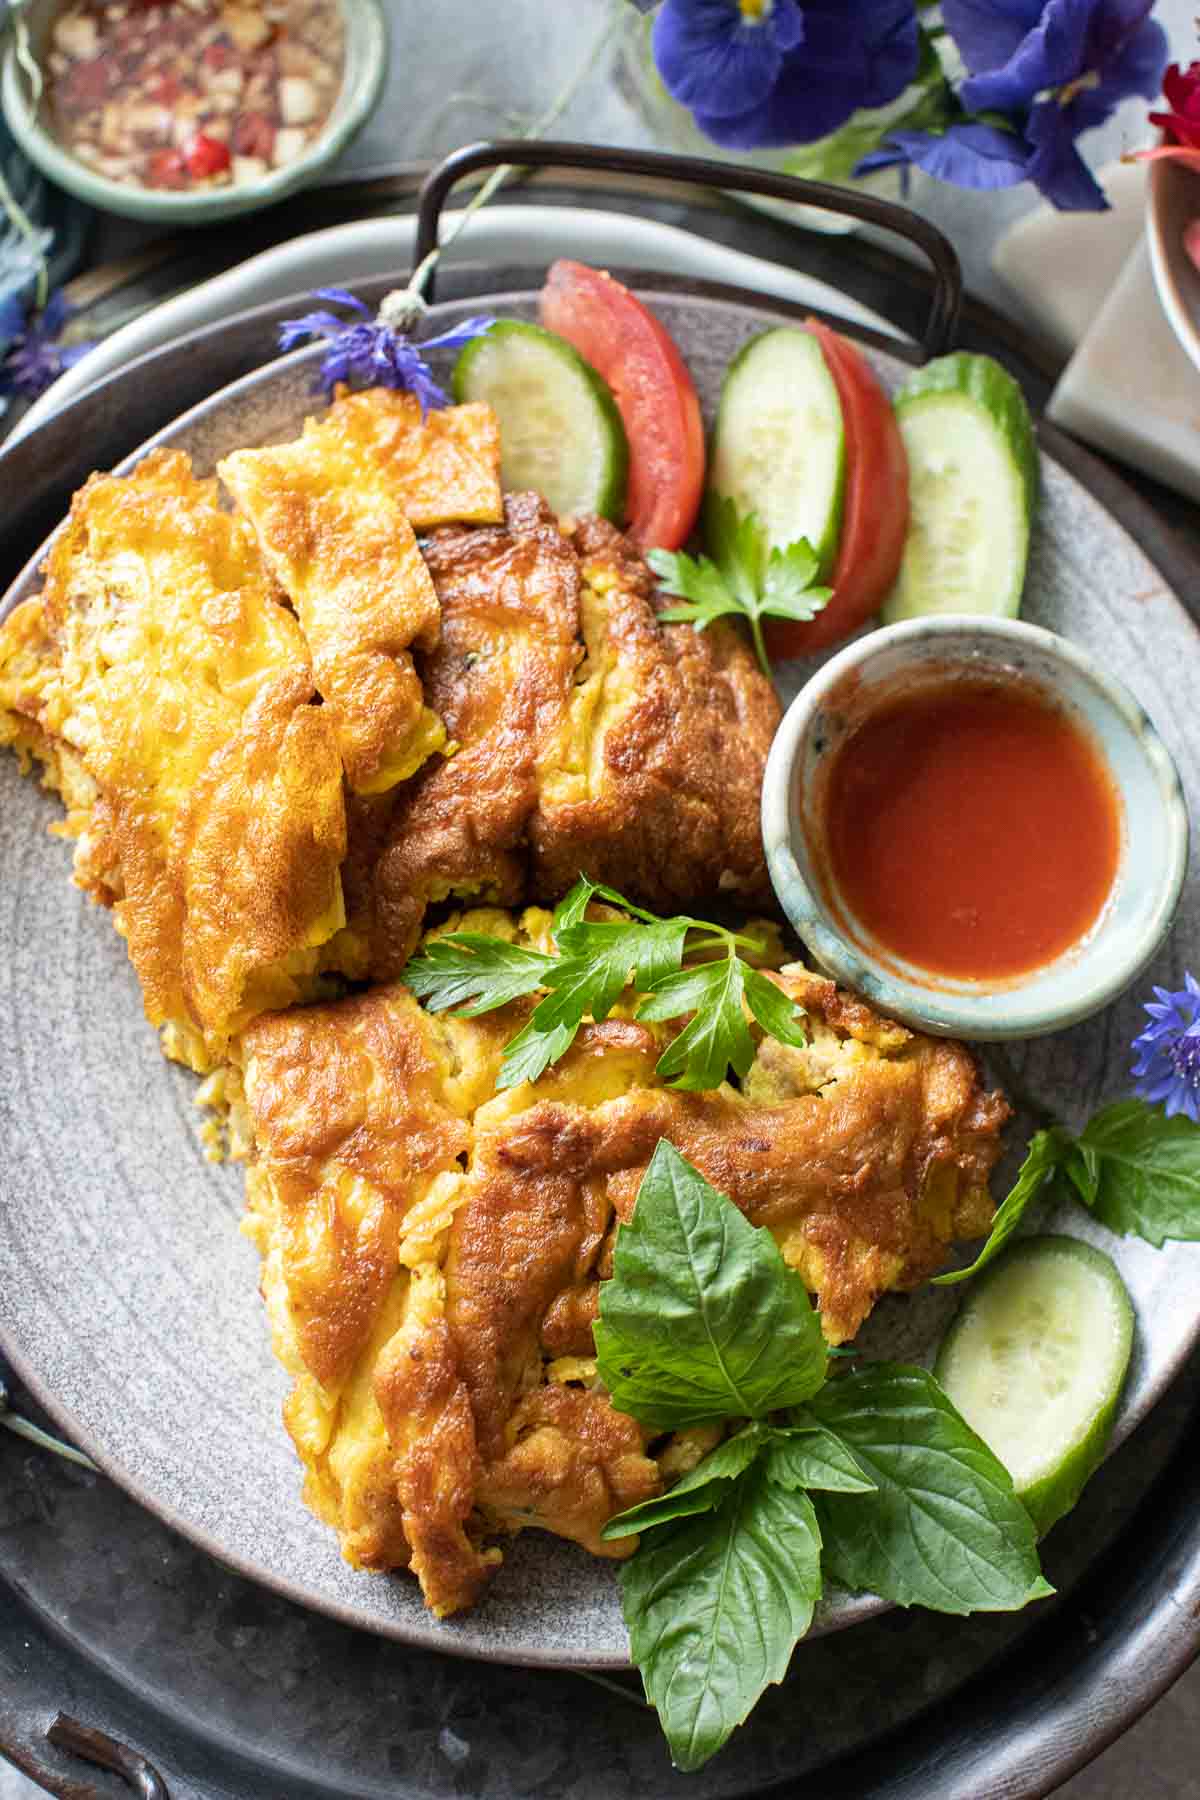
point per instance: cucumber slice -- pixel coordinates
(973, 484)
(1035, 1363)
(779, 444)
(560, 431)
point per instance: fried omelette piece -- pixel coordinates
(501, 678)
(346, 556)
(167, 694)
(588, 736)
(463, 1399)
(653, 781)
(360, 1114)
(442, 469)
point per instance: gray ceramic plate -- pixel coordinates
(128, 1299)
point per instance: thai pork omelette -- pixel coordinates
(281, 733)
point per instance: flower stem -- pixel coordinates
(44, 1441)
(26, 58)
(540, 126)
(29, 231)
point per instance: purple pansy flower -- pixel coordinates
(1069, 62)
(1054, 69)
(773, 72)
(967, 153)
(376, 354)
(34, 357)
(1166, 1064)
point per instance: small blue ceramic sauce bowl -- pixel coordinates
(1153, 849)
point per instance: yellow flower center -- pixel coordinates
(1080, 85)
(754, 11)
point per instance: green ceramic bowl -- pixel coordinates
(366, 65)
(1154, 847)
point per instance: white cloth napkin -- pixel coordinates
(1084, 279)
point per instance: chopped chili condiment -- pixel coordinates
(192, 93)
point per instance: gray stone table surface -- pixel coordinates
(463, 69)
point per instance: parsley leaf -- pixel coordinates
(702, 1318)
(944, 1528)
(604, 957)
(715, 1605)
(1046, 1153)
(717, 1037)
(742, 579)
(702, 1489)
(573, 906)
(598, 959)
(1140, 1172)
(775, 1011)
(530, 1053)
(469, 966)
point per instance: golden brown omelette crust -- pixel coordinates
(440, 1329)
(500, 678)
(169, 695)
(665, 744)
(347, 558)
(349, 1116)
(441, 469)
(586, 736)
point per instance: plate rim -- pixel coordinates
(1104, 486)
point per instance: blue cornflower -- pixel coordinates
(374, 353)
(770, 72)
(1166, 1064)
(34, 357)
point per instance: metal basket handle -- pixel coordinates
(705, 172)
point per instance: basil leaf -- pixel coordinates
(809, 1456)
(945, 1529)
(717, 1037)
(700, 1490)
(775, 1011)
(470, 966)
(702, 1318)
(1143, 1170)
(714, 1607)
(1046, 1153)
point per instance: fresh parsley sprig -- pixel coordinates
(740, 577)
(1135, 1169)
(873, 1477)
(598, 959)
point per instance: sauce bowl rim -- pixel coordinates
(1019, 1009)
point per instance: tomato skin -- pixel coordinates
(875, 515)
(637, 357)
(206, 156)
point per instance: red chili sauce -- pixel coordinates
(973, 828)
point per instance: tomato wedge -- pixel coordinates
(875, 515)
(636, 356)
